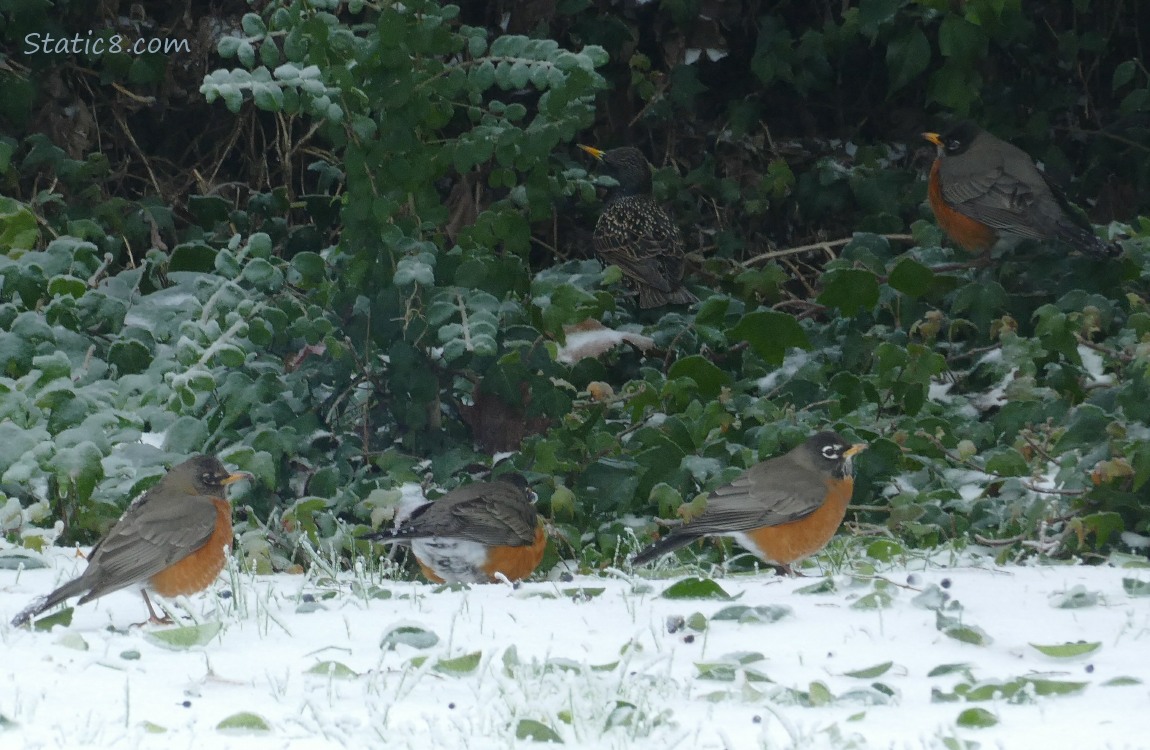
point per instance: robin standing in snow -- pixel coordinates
(173, 539)
(981, 186)
(782, 510)
(475, 533)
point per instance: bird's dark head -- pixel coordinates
(830, 452)
(519, 482)
(628, 166)
(202, 475)
(956, 139)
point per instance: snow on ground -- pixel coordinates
(600, 669)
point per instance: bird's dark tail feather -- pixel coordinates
(669, 543)
(71, 588)
(1088, 242)
(651, 297)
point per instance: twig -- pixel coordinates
(827, 245)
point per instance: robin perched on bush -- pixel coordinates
(981, 187)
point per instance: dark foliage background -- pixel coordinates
(342, 244)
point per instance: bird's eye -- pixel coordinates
(832, 452)
(954, 145)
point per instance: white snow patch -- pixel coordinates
(1092, 363)
(538, 644)
(1135, 541)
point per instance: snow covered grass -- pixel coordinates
(917, 657)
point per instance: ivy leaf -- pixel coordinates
(907, 56)
(770, 334)
(695, 588)
(850, 290)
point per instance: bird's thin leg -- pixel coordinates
(152, 616)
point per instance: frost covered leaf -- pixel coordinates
(243, 723)
(695, 588)
(819, 694)
(761, 614)
(459, 665)
(179, 639)
(1055, 687)
(63, 617)
(17, 559)
(953, 628)
(73, 641)
(1076, 598)
(976, 718)
(878, 599)
(536, 731)
(941, 669)
(583, 594)
(825, 586)
(152, 728)
(1122, 681)
(408, 635)
(932, 597)
(1136, 587)
(334, 669)
(870, 672)
(1068, 650)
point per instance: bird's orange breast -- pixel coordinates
(788, 542)
(973, 236)
(197, 571)
(516, 562)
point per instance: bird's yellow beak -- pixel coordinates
(237, 476)
(591, 150)
(855, 449)
(934, 138)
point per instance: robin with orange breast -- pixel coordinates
(782, 510)
(173, 539)
(477, 533)
(981, 186)
(636, 234)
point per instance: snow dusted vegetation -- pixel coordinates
(943, 653)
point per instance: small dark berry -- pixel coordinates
(945, 583)
(451, 705)
(757, 719)
(688, 639)
(186, 704)
(1089, 669)
(308, 598)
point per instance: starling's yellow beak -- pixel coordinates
(855, 449)
(591, 150)
(934, 138)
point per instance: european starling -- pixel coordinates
(636, 234)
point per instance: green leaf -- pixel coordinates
(408, 635)
(870, 672)
(74, 641)
(1123, 74)
(695, 588)
(766, 613)
(976, 718)
(770, 334)
(943, 669)
(907, 56)
(536, 731)
(63, 617)
(459, 665)
(1068, 650)
(850, 290)
(707, 376)
(820, 695)
(333, 669)
(189, 636)
(952, 628)
(244, 722)
(1136, 587)
(911, 278)
(825, 586)
(1122, 682)
(1055, 687)
(152, 728)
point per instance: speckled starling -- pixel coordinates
(637, 235)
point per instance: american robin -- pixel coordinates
(636, 234)
(474, 533)
(173, 539)
(783, 509)
(981, 186)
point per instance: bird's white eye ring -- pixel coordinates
(832, 452)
